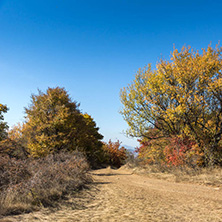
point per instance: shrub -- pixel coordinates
(12, 172)
(183, 151)
(151, 151)
(31, 183)
(12, 148)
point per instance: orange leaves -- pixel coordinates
(115, 154)
(151, 149)
(181, 151)
(172, 151)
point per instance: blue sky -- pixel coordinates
(94, 48)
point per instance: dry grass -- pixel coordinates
(26, 185)
(119, 195)
(198, 175)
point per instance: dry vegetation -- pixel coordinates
(39, 162)
(199, 175)
(120, 195)
(28, 184)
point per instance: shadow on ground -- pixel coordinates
(97, 183)
(110, 174)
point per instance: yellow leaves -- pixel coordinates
(38, 150)
(181, 95)
(55, 123)
(3, 108)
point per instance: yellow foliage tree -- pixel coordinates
(54, 123)
(181, 97)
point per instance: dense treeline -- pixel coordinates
(54, 123)
(176, 109)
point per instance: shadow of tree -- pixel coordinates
(110, 174)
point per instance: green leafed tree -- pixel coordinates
(54, 123)
(3, 125)
(181, 97)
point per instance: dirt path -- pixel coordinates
(120, 195)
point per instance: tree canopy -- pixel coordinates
(181, 97)
(54, 122)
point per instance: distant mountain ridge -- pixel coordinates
(129, 148)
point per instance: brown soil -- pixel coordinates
(120, 195)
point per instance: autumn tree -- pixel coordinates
(8, 146)
(54, 123)
(89, 139)
(181, 97)
(114, 153)
(152, 151)
(3, 125)
(14, 145)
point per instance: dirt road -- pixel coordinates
(119, 195)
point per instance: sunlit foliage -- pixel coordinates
(183, 151)
(14, 145)
(152, 151)
(54, 123)
(114, 153)
(181, 97)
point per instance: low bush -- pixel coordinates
(29, 184)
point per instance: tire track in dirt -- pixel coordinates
(119, 195)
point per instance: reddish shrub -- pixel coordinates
(114, 153)
(181, 151)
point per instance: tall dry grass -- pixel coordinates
(211, 176)
(26, 185)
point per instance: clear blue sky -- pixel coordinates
(93, 48)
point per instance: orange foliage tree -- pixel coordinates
(151, 151)
(183, 151)
(114, 153)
